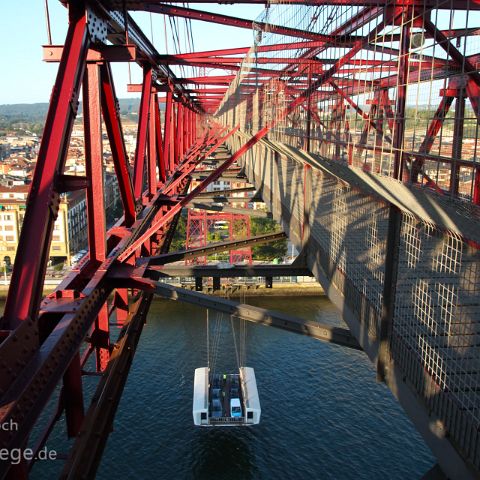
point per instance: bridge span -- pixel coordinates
(425, 340)
(356, 122)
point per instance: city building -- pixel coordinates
(70, 229)
(12, 211)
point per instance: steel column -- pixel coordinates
(162, 166)
(176, 134)
(94, 163)
(399, 155)
(95, 198)
(100, 338)
(457, 141)
(173, 139)
(168, 133)
(152, 148)
(180, 132)
(143, 122)
(111, 116)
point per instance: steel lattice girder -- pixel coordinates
(447, 4)
(72, 309)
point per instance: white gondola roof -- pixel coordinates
(252, 401)
(200, 390)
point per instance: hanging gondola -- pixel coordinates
(226, 399)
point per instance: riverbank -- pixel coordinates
(283, 289)
(4, 290)
(279, 289)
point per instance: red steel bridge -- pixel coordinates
(358, 124)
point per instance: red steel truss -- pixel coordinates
(201, 223)
(342, 89)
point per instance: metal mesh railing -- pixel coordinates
(435, 331)
(435, 334)
(393, 89)
(396, 88)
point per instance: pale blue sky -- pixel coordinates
(25, 78)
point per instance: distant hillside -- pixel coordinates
(32, 112)
(36, 112)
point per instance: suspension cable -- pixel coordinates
(151, 27)
(47, 19)
(208, 342)
(237, 354)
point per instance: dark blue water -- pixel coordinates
(323, 414)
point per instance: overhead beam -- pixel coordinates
(203, 16)
(206, 80)
(262, 316)
(225, 209)
(257, 48)
(447, 4)
(177, 60)
(101, 53)
(216, 247)
(226, 177)
(223, 199)
(231, 271)
(118, 24)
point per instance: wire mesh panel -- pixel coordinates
(390, 87)
(436, 330)
(393, 89)
(349, 229)
(434, 338)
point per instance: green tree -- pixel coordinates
(263, 226)
(180, 235)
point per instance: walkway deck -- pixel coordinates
(434, 337)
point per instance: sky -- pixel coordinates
(25, 78)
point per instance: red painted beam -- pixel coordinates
(96, 224)
(72, 393)
(143, 117)
(259, 48)
(167, 131)
(213, 80)
(94, 164)
(160, 153)
(138, 87)
(176, 60)
(179, 134)
(102, 53)
(113, 126)
(152, 148)
(446, 4)
(233, 21)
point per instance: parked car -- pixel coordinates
(216, 411)
(235, 407)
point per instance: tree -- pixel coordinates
(180, 235)
(263, 226)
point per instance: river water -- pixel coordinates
(323, 414)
